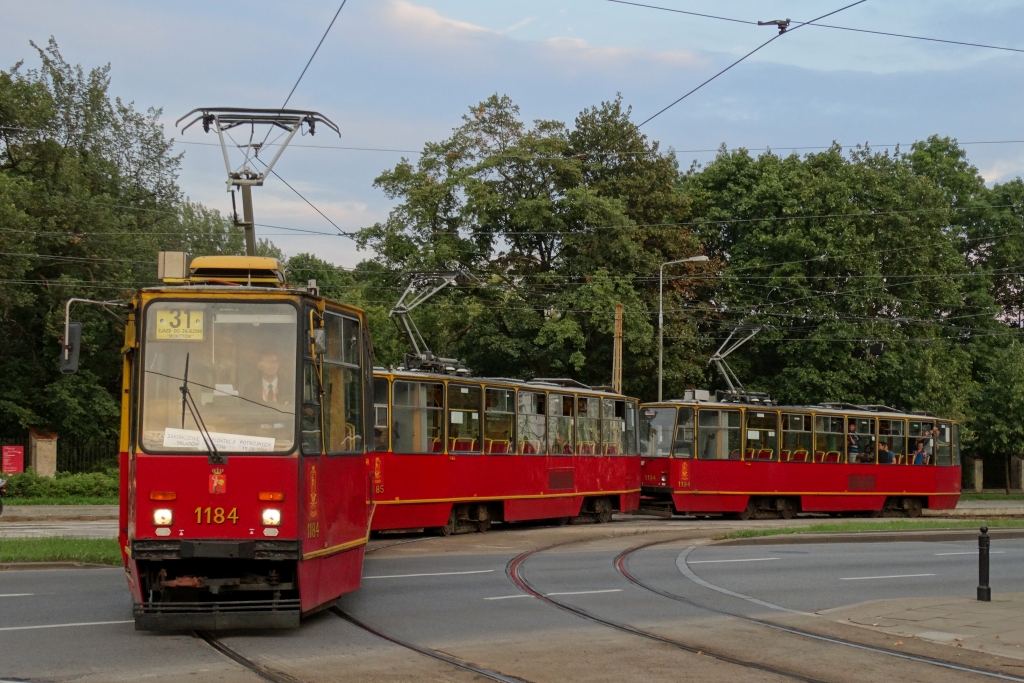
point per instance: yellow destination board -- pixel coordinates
(179, 324)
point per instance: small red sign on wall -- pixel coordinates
(13, 460)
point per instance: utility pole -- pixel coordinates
(617, 351)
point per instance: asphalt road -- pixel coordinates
(454, 595)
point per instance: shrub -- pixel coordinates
(85, 485)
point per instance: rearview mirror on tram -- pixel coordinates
(70, 349)
(320, 340)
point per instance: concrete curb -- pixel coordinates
(26, 566)
(909, 536)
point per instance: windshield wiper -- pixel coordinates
(187, 401)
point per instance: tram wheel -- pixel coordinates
(603, 511)
(914, 507)
(561, 521)
(748, 511)
(483, 525)
(787, 511)
(449, 528)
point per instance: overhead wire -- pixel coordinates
(756, 49)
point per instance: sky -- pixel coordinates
(396, 74)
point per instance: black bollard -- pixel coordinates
(984, 543)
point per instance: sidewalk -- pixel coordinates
(54, 513)
(981, 508)
(995, 627)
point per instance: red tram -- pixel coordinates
(244, 495)
(702, 456)
(456, 453)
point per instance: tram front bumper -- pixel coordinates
(214, 616)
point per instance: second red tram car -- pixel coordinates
(702, 456)
(245, 498)
(456, 453)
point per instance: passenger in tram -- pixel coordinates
(920, 455)
(852, 443)
(868, 456)
(885, 454)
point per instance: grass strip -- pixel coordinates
(888, 525)
(60, 549)
(62, 500)
(991, 496)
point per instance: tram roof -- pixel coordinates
(867, 410)
(537, 383)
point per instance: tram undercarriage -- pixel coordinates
(215, 584)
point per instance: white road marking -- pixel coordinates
(15, 595)
(683, 567)
(81, 623)
(752, 559)
(508, 597)
(893, 576)
(610, 590)
(970, 552)
(409, 576)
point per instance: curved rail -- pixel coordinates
(514, 571)
(622, 566)
(263, 672)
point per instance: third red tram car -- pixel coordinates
(702, 456)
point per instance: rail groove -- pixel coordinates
(622, 566)
(264, 672)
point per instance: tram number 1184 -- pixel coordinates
(216, 516)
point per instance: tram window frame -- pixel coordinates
(381, 413)
(888, 438)
(588, 424)
(311, 422)
(719, 421)
(613, 426)
(831, 440)
(764, 433)
(867, 444)
(468, 412)
(632, 428)
(956, 445)
(428, 411)
(924, 429)
(686, 428)
(799, 447)
(534, 406)
(505, 407)
(944, 445)
(342, 362)
(656, 444)
(561, 424)
(301, 352)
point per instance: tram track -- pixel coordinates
(514, 572)
(621, 563)
(264, 672)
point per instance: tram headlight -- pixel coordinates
(271, 517)
(163, 517)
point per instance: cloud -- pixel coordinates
(427, 20)
(519, 24)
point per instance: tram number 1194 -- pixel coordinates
(216, 516)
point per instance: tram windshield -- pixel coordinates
(241, 361)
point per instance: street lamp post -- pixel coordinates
(661, 310)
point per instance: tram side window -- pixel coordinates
(588, 425)
(499, 421)
(797, 441)
(762, 435)
(380, 414)
(943, 445)
(464, 418)
(343, 388)
(718, 434)
(632, 426)
(560, 424)
(310, 418)
(656, 425)
(683, 445)
(418, 412)
(956, 445)
(828, 438)
(892, 442)
(860, 440)
(921, 443)
(614, 426)
(531, 423)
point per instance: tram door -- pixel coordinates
(335, 498)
